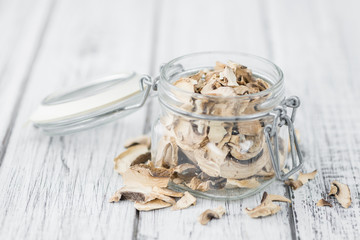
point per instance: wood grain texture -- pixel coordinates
(22, 27)
(329, 117)
(58, 187)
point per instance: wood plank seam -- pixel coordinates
(25, 81)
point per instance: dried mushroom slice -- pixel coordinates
(244, 183)
(230, 76)
(323, 203)
(267, 207)
(217, 131)
(198, 185)
(167, 153)
(209, 214)
(210, 158)
(233, 168)
(223, 92)
(126, 158)
(167, 192)
(151, 205)
(140, 194)
(342, 193)
(186, 201)
(187, 134)
(302, 179)
(140, 140)
(145, 175)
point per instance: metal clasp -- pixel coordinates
(280, 119)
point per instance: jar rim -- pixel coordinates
(278, 84)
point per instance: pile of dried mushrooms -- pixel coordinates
(206, 155)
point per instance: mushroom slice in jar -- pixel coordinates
(198, 185)
(216, 131)
(167, 153)
(186, 201)
(145, 175)
(126, 158)
(229, 74)
(186, 171)
(250, 128)
(267, 207)
(140, 140)
(210, 158)
(233, 168)
(342, 193)
(187, 134)
(243, 183)
(151, 205)
(209, 214)
(167, 192)
(223, 91)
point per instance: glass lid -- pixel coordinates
(96, 103)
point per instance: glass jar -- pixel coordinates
(218, 147)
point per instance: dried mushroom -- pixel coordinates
(209, 214)
(302, 179)
(167, 192)
(126, 158)
(186, 201)
(146, 175)
(140, 140)
(151, 205)
(244, 183)
(267, 207)
(140, 194)
(322, 203)
(341, 192)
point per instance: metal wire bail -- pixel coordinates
(271, 135)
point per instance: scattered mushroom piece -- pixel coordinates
(140, 140)
(145, 175)
(342, 193)
(151, 205)
(267, 207)
(167, 192)
(126, 158)
(302, 179)
(186, 201)
(141, 194)
(209, 214)
(322, 203)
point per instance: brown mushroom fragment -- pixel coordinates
(302, 179)
(140, 140)
(126, 158)
(322, 203)
(267, 207)
(342, 193)
(197, 184)
(141, 194)
(186, 201)
(145, 175)
(167, 192)
(209, 214)
(244, 183)
(167, 154)
(151, 205)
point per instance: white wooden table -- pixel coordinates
(58, 187)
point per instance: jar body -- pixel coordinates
(216, 146)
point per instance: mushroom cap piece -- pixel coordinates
(145, 175)
(186, 201)
(151, 205)
(322, 203)
(209, 214)
(342, 193)
(126, 158)
(267, 207)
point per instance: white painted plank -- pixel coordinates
(312, 52)
(22, 24)
(59, 187)
(190, 26)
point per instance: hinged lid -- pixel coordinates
(93, 104)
